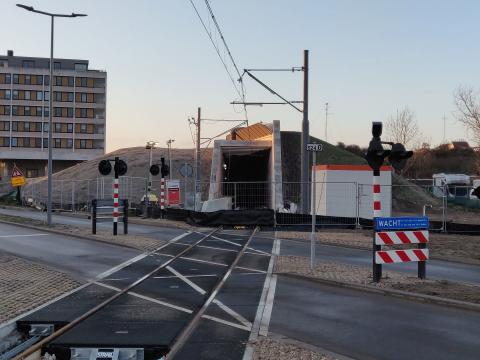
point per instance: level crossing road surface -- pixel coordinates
(165, 234)
(79, 257)
(153, 313)
(436, 269)
(363, 325)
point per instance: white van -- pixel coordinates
(451, 185)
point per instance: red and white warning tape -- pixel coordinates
(398, 256)
(401, 237)
(115, 200)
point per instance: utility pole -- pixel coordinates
(197, 160)
(444, 128)
(169, 144)
(326, 121)
(304, 158)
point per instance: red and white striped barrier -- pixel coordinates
(398, 256)
(115, 201)
(401, 237)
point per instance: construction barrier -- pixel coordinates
(108, 210)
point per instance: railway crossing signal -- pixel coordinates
(164, 170)
(120, 169)
(399, 156)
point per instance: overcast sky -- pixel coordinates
(368, 59)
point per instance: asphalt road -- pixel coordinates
(155, 232)
(154, 312)
(370, 326)
(445, 270)
(79, 257)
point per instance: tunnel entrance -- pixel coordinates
(246, 178)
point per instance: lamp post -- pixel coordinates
(150, 146)
(50, 123)
(169, 144)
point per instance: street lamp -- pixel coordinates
(169, 144)
(149, 146)
(50, 123)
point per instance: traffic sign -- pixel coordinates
(186, 170)
(17, 178)
(401, 223)
(314, 147)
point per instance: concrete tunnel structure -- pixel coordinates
(247, 168)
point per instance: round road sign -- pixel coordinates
(186, 170)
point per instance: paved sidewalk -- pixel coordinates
(270, 349)
(25, 285)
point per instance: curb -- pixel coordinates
(59, 232)
(390, 292)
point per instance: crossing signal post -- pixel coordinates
(120, 169)
(164, 170)
(375, 157)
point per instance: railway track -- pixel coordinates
(147, 310)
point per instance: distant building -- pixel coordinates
(79, 95)
(460, 144)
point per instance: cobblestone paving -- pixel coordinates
(269, 349)
(25, 285)
(361, 275)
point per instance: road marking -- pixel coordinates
(257, 252)
(267, 313)
(148, 298)
(216, 264)
(26, 235)
(259, 317)
(172, 306)
(199, 275)
(90, 282)
(221, 305)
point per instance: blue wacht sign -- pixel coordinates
(401, 223)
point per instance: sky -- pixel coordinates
(368, 59)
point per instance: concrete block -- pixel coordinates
(224, 203)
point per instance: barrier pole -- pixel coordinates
(162, 197)
(377, 212)
(314, 213)
(115, 199)
(94, 216)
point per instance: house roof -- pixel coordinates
(251, 132)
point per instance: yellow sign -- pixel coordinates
(17, 178)
(17, 181)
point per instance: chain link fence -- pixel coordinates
(336, 204)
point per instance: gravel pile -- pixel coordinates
(269, 349)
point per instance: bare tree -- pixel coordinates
(403, 128)
(467, 102)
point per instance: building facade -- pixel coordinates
(79, 105)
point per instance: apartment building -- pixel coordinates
(79, 104)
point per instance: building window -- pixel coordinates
(47, 79)
(39, 95)
(70, 97)
(15, 78)
(28, 79)
(32, 173)
(15, 94)
(57, 96)
(70, 127)
(46, 112)
(57, 80)
(14, 110)
(8, 79)
(6, 110)
(58, 127)
(83, 128)
(83, 144)
(70, 81)
(57, 65)
(14, 142)
(57, 112)
(8, 94)
(15, 126)
(27, 111)
(26, 126)
(39, 79)
(69, 112)
(27, 95)
(47, 96)
(57, 143)
(45, 143)
(39, 110)
(80, 67)
(45, 126)
(69, 143)
(28, 63)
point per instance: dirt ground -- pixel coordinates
(270, 349)
(452, 247)
(360, 275)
